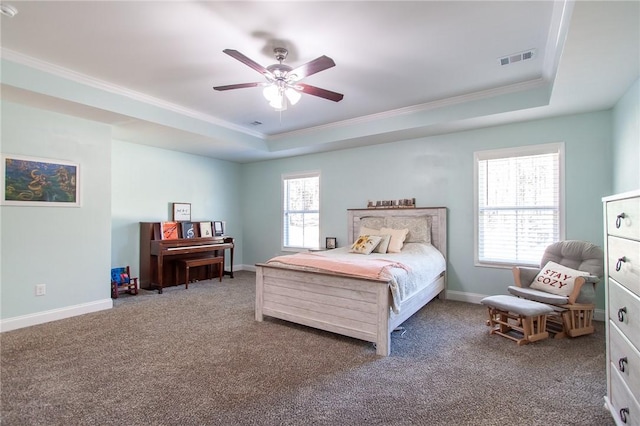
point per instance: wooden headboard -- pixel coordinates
(438, 217)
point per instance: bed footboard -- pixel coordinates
(354, 307)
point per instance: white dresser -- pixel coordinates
(622, 272)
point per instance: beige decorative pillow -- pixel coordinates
(397, 238)
(365, 244)
(384, 243)
(556, 279)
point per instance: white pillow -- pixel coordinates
(365, 244)
(383, 247)
(556, 279)
(397, 238)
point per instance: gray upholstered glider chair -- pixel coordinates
(574, 311)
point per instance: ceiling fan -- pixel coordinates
(282, 86)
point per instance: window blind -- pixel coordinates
(518, 202)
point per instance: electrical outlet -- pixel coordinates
(41, 289)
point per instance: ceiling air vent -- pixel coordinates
(517, 57)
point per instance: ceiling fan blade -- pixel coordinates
(237, 86)
(316, 91)
(249, 62)
(319, 64)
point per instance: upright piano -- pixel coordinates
(158, 257)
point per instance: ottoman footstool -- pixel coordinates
(509, 313)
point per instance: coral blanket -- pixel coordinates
(367, 268)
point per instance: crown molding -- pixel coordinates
(86, 80)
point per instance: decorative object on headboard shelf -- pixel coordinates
(405, 203)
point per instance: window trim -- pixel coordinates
(521, 151)
(299, 175)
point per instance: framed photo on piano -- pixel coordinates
(181, 212)
(218, 229)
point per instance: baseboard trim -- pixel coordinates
(459, 296)
(251, 268)
(22, 321)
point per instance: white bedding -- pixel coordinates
(423, 261)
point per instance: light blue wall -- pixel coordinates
(66, 248)
(72, 249)
(147, 181)
(626, 141)
(437, 171)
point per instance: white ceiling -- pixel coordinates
(406, 69)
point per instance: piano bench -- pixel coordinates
(201, 261)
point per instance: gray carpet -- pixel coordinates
(197, 357)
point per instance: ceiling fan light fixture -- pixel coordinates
(279, 96)
(279, 104)
(270, 92)
(293, 95)
(276, 98)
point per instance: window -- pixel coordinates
(301, 211)
(518, 204)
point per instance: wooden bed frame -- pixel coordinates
(347, 305)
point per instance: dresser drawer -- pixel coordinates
(626, 409)
(624, 358)
(627, 226)
(624, 311)
(624, 262)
